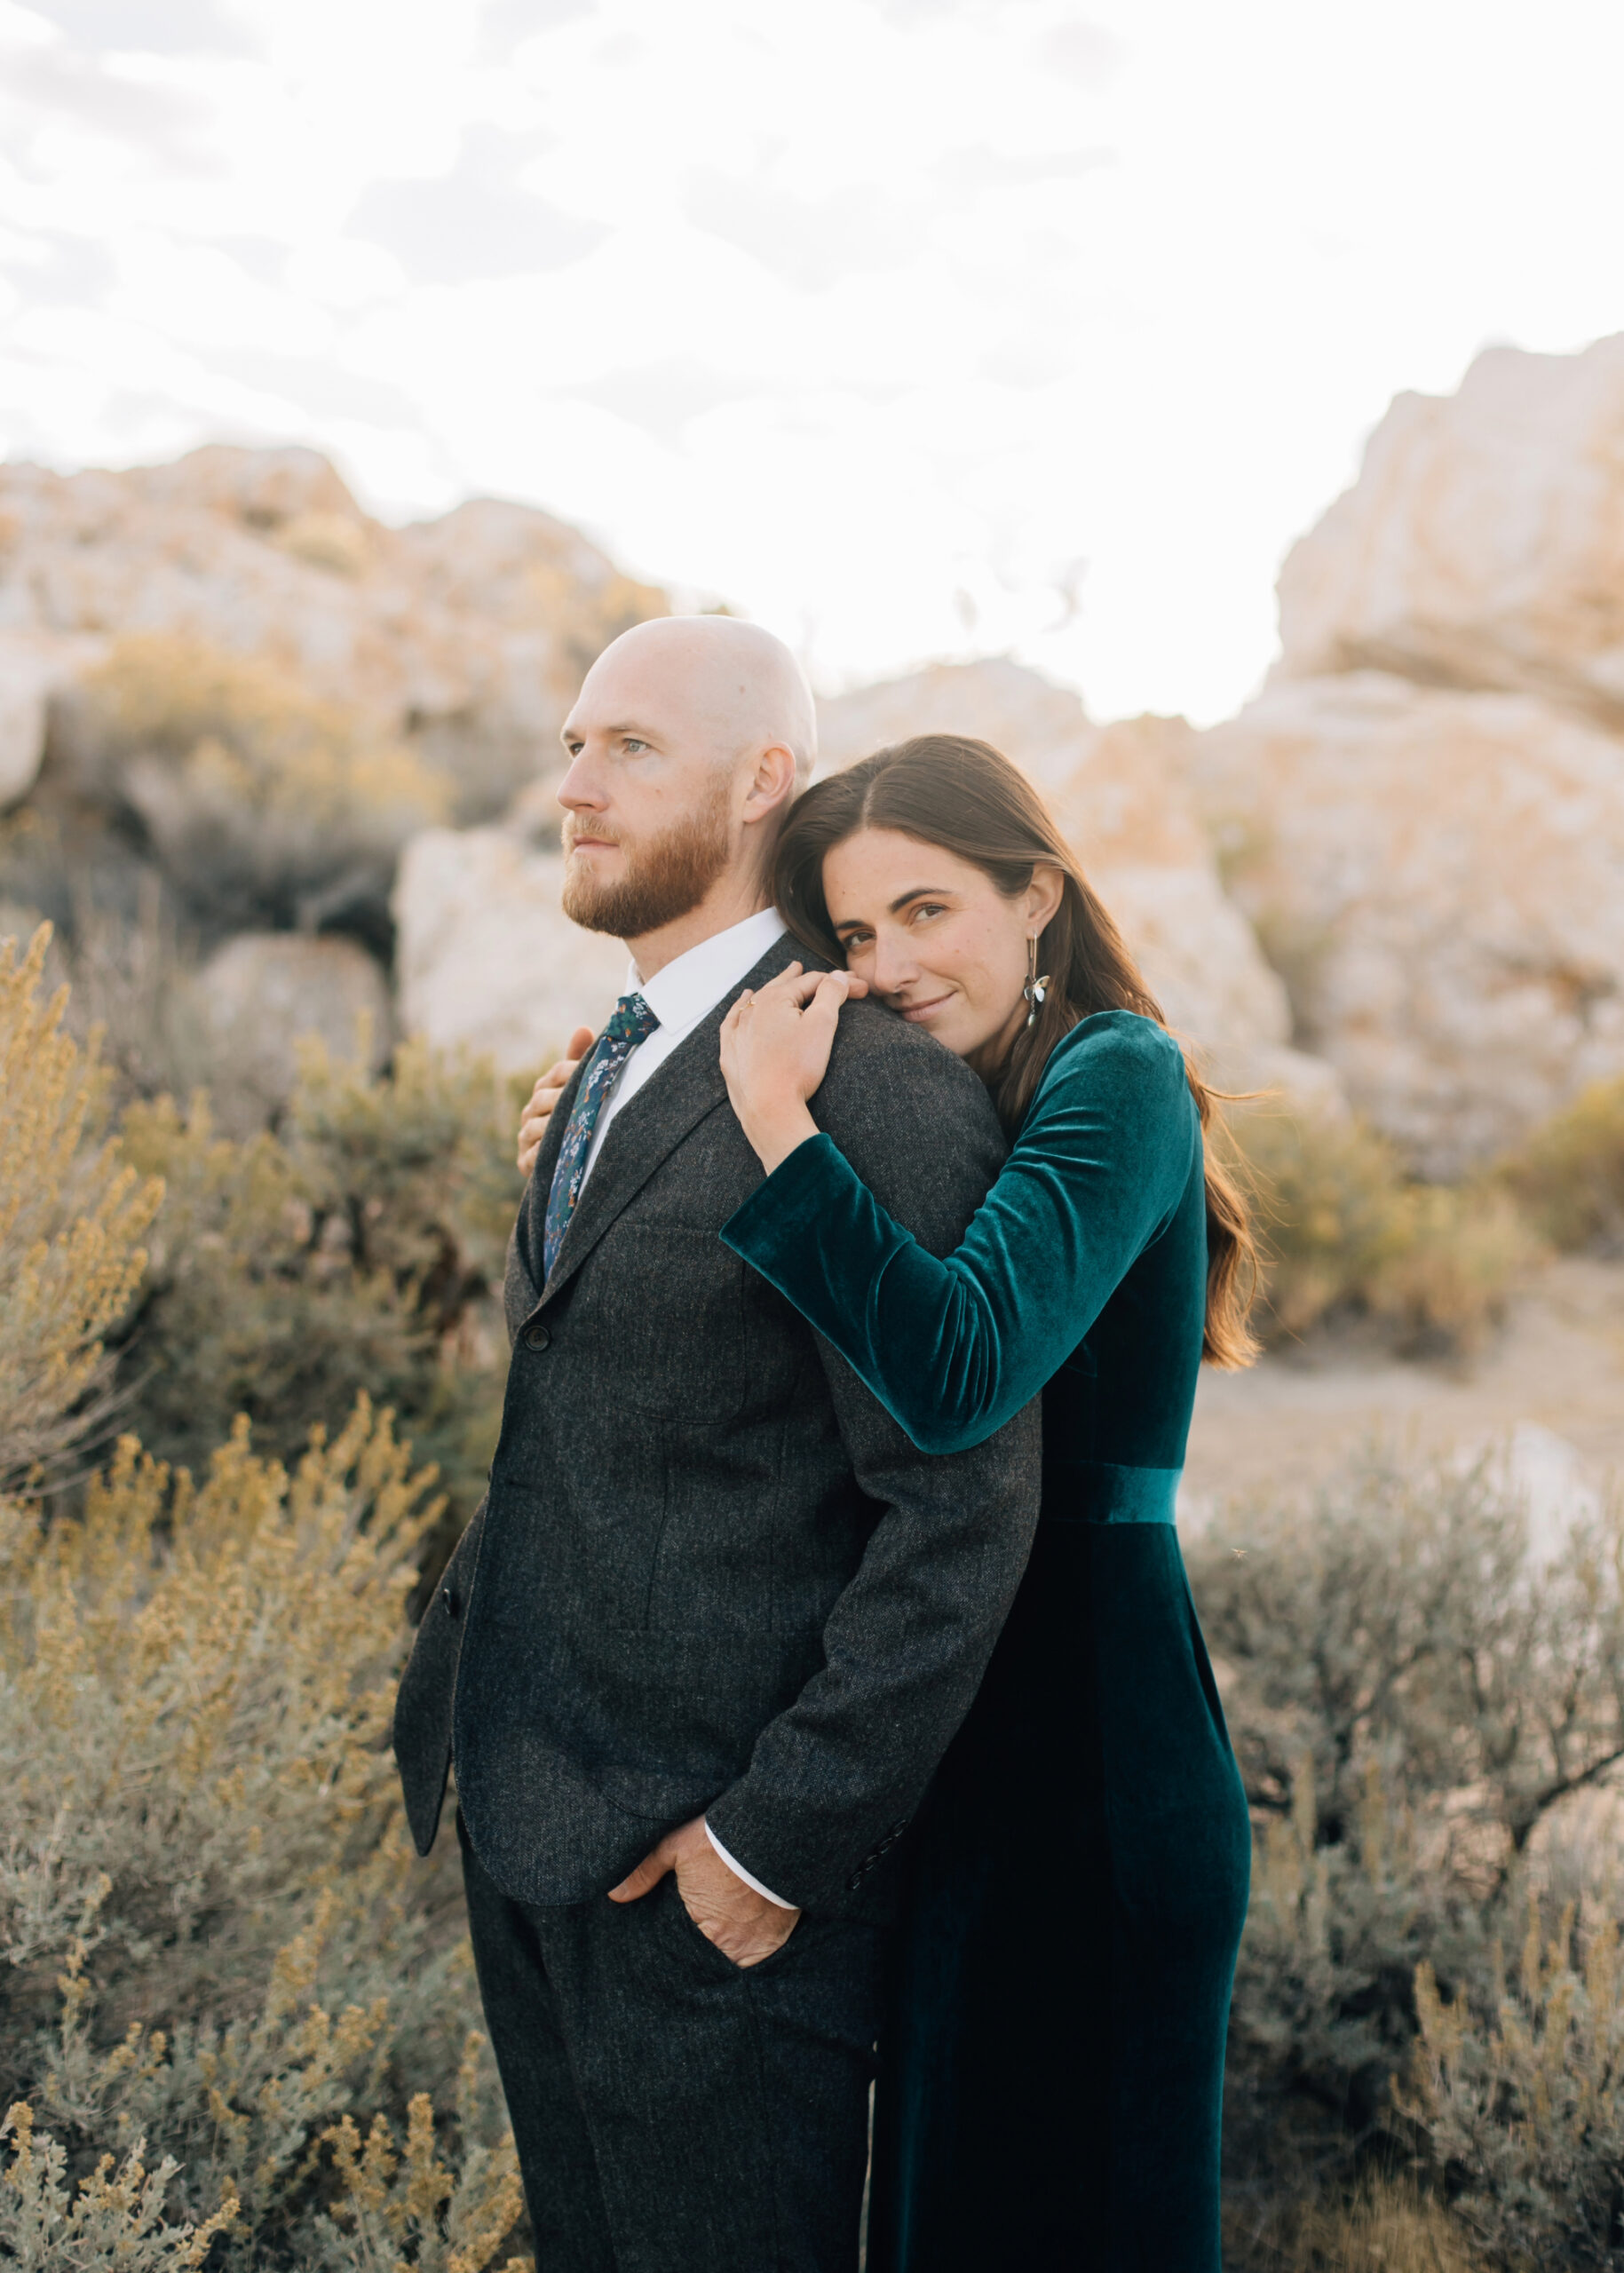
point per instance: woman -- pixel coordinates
(1051, 2088)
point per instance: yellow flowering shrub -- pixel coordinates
(258, 796)
(1345, 1233)
(72, 1221)
(1569, 1174)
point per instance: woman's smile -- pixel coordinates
(918, 1012)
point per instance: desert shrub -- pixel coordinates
(71, 1221)
(360, 1248)
(1519, 2083)
(1413, 1706)
(231, 1999)
(1569, 1176)
(267, 806)
(1346, 1233)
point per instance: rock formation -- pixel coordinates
(1424, 813)
(464, 637)
(222, 683)
(1483, 544)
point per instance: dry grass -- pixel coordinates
(1389, 2225)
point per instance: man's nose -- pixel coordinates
(581, 790)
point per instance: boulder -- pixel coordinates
(486, 959)
(263, 993)
(1483, 544)
(32, 672)
(1121, 796)
(1441, 877)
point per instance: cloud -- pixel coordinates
(316, 384)
(661, 398)
(908, 12)
(810, 242)
(60, 270)
(161, 122)
(505, 23)
(147, 26)
(1086, 54)
(975, 166)
(475, 222)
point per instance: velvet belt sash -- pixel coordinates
(1096, 1492)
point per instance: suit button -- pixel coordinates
(448, 1595)
(536, 1337)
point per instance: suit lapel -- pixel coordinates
(649, 1127)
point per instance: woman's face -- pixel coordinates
(935, 938)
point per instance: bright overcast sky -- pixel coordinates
(909, 327)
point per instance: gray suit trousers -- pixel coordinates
(674, 2112)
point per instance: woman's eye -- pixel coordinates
(929, 907)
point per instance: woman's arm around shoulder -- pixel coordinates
(953, 1345)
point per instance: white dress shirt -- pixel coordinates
(680, 995)
(686, 990)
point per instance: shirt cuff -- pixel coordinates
(739, 1872)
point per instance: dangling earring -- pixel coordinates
(1035, 989)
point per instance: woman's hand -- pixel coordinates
(533, 1122)
(775, 1050)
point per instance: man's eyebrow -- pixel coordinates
(567, 732)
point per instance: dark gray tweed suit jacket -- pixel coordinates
(711, 1574)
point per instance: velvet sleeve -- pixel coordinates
(953, 1348)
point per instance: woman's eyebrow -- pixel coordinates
(920, 892)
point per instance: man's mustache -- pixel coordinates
(596, 830)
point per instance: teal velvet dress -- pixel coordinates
(1052, 2077)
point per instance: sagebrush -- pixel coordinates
(1430, 1723)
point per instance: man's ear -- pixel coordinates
(772, 783)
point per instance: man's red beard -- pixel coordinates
(660, 883)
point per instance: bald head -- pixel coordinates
(686, 744)
(732, 683)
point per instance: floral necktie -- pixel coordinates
(633, 1022)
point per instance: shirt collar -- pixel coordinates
(685, 989)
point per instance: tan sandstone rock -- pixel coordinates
(32, 670)
(1441, 877)
(1483, 544)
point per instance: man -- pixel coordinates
(701, 1648)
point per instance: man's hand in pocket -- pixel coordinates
(743, 1924)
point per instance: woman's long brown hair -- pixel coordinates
(967, 797)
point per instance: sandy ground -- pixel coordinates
(1552, 1385)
